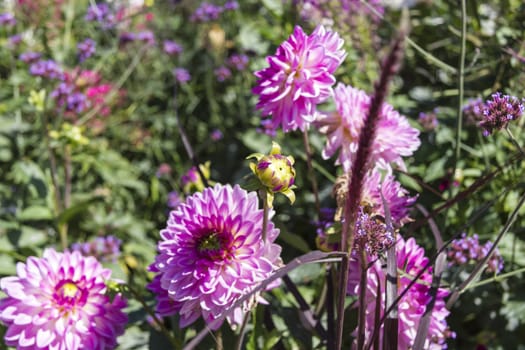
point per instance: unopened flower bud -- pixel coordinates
(275, 172)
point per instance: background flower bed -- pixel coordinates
(118, 160)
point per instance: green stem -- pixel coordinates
(496, 278)
(177, 345)
(242, 331)
(479, 267)
(266, 209)
(514, 141)
(461, 78)
(311, 174)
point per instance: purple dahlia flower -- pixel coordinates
(410, 260)
(211, 254)
(59, 301)
(299, 77)
(395, 138)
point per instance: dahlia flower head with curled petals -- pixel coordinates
(299, 77)
(396, 197)
(60, 301)
(395, 138)
(410, 261)
(211, 254)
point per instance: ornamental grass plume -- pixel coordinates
(395, 138)
(299, 77)
(60, 301)
(410, 261)
(211, 254)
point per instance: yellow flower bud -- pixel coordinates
(275, 172)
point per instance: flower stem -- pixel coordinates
(362, 301)
(514, 141)
(461, 78)
(479, 267)
(341, 297)
(266, 209)
(177, 345)
(311, 173)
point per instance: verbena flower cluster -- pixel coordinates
(499, 110)
(105, 249)
(468, 249)
(60, 301)
(211, 254)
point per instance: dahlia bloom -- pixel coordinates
(299, 77)
(410, 261)
(59, 301)
(395, 196)
(211, 254)
(395, 138)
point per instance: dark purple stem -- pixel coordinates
(361, 164)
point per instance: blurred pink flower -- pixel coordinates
(60, 301)
(410, 261)
(395, 138)
(211, 254)
(299, 77)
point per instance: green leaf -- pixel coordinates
(77, 209)
(35, 213)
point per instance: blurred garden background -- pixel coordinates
(113, 113)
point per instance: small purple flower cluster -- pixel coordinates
(105, 249)
(222, 73)
(429, 120)
(499, 111)
(48, 69)
(238, 61)
(181, 75)
(472, 111)
(466, 250)
(326, 220)
(172, 48)
(207, 12)
(86, 49)
(102, 14)
(30, 57)
(146, 36)
(7, 19)
(371, 234)
(68, 98)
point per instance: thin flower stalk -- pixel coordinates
(481, 264)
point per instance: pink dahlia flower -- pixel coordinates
(395, 138)
(410, 261)
(299, 77)
(59, 301)
(211, 254)
(395, 196)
